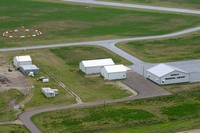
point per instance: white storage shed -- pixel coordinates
(22, 60)
(48, 92)
(165, 74)
(114, 72)
(94, 66)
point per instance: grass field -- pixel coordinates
(40, 100)
(61, 23)
(6, 112)
(190, 4)
(64, 64)
(88, 88)
(13, 129)
(168, 114)
(166, 50)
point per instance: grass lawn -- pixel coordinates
(65, 22)
(190, 4)
(90, 119)
(6, 112)
(167, 114)
(170, 127)
(13, 129)
(64, 64)
(166, 50)
(40, 100)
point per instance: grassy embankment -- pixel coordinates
(13, 129)
(64, 64)
(190, 4)
(165, 50)
(168, 114)
(62, 23)
(6, 112)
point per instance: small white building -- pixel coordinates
(22, 60)
(48, 92)
(114, 72)
(94, 66)
(45, 80)
(165, 74)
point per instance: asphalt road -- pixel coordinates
(155, 8)
(191, 131)
(138, 83)
(138, 66)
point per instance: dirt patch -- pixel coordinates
(10, 78)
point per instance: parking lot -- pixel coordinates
(143, 87)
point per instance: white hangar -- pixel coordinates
(164, 74)
(28, 69)
(114, 72)
(94, 66)
(22, 60)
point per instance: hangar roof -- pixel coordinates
(23, 58)
(98, 62)
(115, 68)
(162, 69)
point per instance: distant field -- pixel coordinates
(13, 129)
(64, 64)
(190, 4)
(166, 50)
(61, 23)
(168, 114)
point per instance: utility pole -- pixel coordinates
(104, 106)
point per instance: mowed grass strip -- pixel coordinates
(166, 50)
(191, 4)
(61, 23)
(168, 114)
(91, 119)
(13, 129)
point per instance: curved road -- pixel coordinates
(109, 44)
(155, 8)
